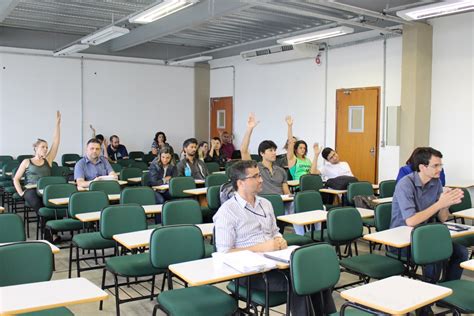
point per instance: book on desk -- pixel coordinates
(281, 255)
(245, 261)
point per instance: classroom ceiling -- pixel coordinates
(213, 27)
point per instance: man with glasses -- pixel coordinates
(419, 198)
(247, 222)
(335, 168)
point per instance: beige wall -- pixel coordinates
(201, 104)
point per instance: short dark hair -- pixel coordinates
(202, 144)
(326, 151)
(100, 137)
(238, 171)
(266, 144)
(216, 138)
(189, 141)
(112, 137)
(299, 142)
(158, 134)
(93, 141)
(422, 156)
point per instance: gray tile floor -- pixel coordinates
(145, 307)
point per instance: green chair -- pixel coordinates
(256, 157)
(138, 164)
(387, 188)
(84, 202)
(130, 172)
(125, 163)
(121, 219)
(20, 158)
(107, 186)
(344, 227)
(212, 167)
(138, 195)
(17, 267)
(279, 210)
(216, 179)
(361, 188)
(145, 178)
(136, 155)
(423, 252)
(178, 184)
(11, 228)
(69, 160)
(314, 269)
(383, 216)
(176, 244)
(213, 198)
(61, 171)
(116, 167)
(311, 182)
(310, 201)
(51, 211)
(45, 181)
(148, 158)
(468, 240)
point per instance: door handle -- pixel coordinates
(372, 151)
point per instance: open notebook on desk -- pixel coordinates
(245, 261)
(281, 255)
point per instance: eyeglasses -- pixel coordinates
(437, 166)
(255, 176)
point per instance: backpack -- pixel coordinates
(341, 182)
(364, 201)
(226, 192)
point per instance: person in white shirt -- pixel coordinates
(334, 168)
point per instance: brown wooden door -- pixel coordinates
(221, 116)
(357, 124)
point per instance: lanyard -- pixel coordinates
(264, 215)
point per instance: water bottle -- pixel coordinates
(187, 171)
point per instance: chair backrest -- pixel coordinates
(314, 268)
(383, 216)
(311, 182)
(215, 179)
(8, 166)
(424, 251)
(138, 195)
(119, 219)
(387, 188)
(106, 186)
(308, 201)
(69, 157)
(145, 178)
(116, 167)
(256, 157)
(175, 244)
(130, 172)
(148, 158)
(25, 262)
(62, 171)
(136, 155)
(359, 188)
(344, 225)
(181, 212)
(11, 228)
(125, 162)
(4, 159)
(277, 203)
(465, 203)
(213, 197)
(87, 201)
(178, 184)
(45, 181)
(56, 191)
(138, 164)
(20, 158)
(212, 167)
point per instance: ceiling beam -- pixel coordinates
(200, 13)
(6, 7)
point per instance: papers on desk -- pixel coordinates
(281, 255)
(245, 261)
(457, 227)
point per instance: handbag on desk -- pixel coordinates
(341, 182)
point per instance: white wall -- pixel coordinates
(128, 97)
(298, 88)
(452, 97)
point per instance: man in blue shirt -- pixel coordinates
(408, 168)
(116, 150)
(92, 166)
(419, 198)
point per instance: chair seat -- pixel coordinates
(373, 266)
(60, 311)
(462, 297)
(208, 249)
(9, 189)
(369, 221)
(153, 226)
(317, 235)
(258, 296)
(47, 212)
(66, 224)
(395, 256)
(295, 239)
(17, 197)
(204, 300)
(466, 241)
(92, 241)
(132, 266)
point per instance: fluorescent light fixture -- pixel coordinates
(190, 60)
(315, 36)
(166, 7)
(436, 9)
(104, 35)
(71, 50)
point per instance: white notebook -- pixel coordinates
(247, 261)
(281, 255)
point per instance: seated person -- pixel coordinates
(247, 222)
(216, 154)
(335, 167)
(159, 142)
(102, 140)
(227, 146)
(116, 150)
(162, 169)
(92, 166)
(203, 150)
(419, 198)
(190, 165)
(408, 168)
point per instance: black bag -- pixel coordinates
(226, 192)
(341, 182)
(365, 201)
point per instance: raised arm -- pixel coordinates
(314, 163)
(56, 140)
(94, 132)
(290, 154)
(244, 149)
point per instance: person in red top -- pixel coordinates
(227, 147)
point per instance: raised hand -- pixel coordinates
(58, 117)
(289, 120)
(252, 121)
(316, 149)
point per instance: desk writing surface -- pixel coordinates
(293, 183)
(396, 295)
(95, 216)
(50, 294)
(134, 180)
(162, 187)
(30, 186)
(198, 191)
(467, 213)
(2, 209)
(383, 200)
(65, 201)
(465, 185)
(304, 218)
(287, 197)
(468, 265)
(54, 249)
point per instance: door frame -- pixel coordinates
(377, 138)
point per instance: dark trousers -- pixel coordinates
(322, 303)
(33, 199)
